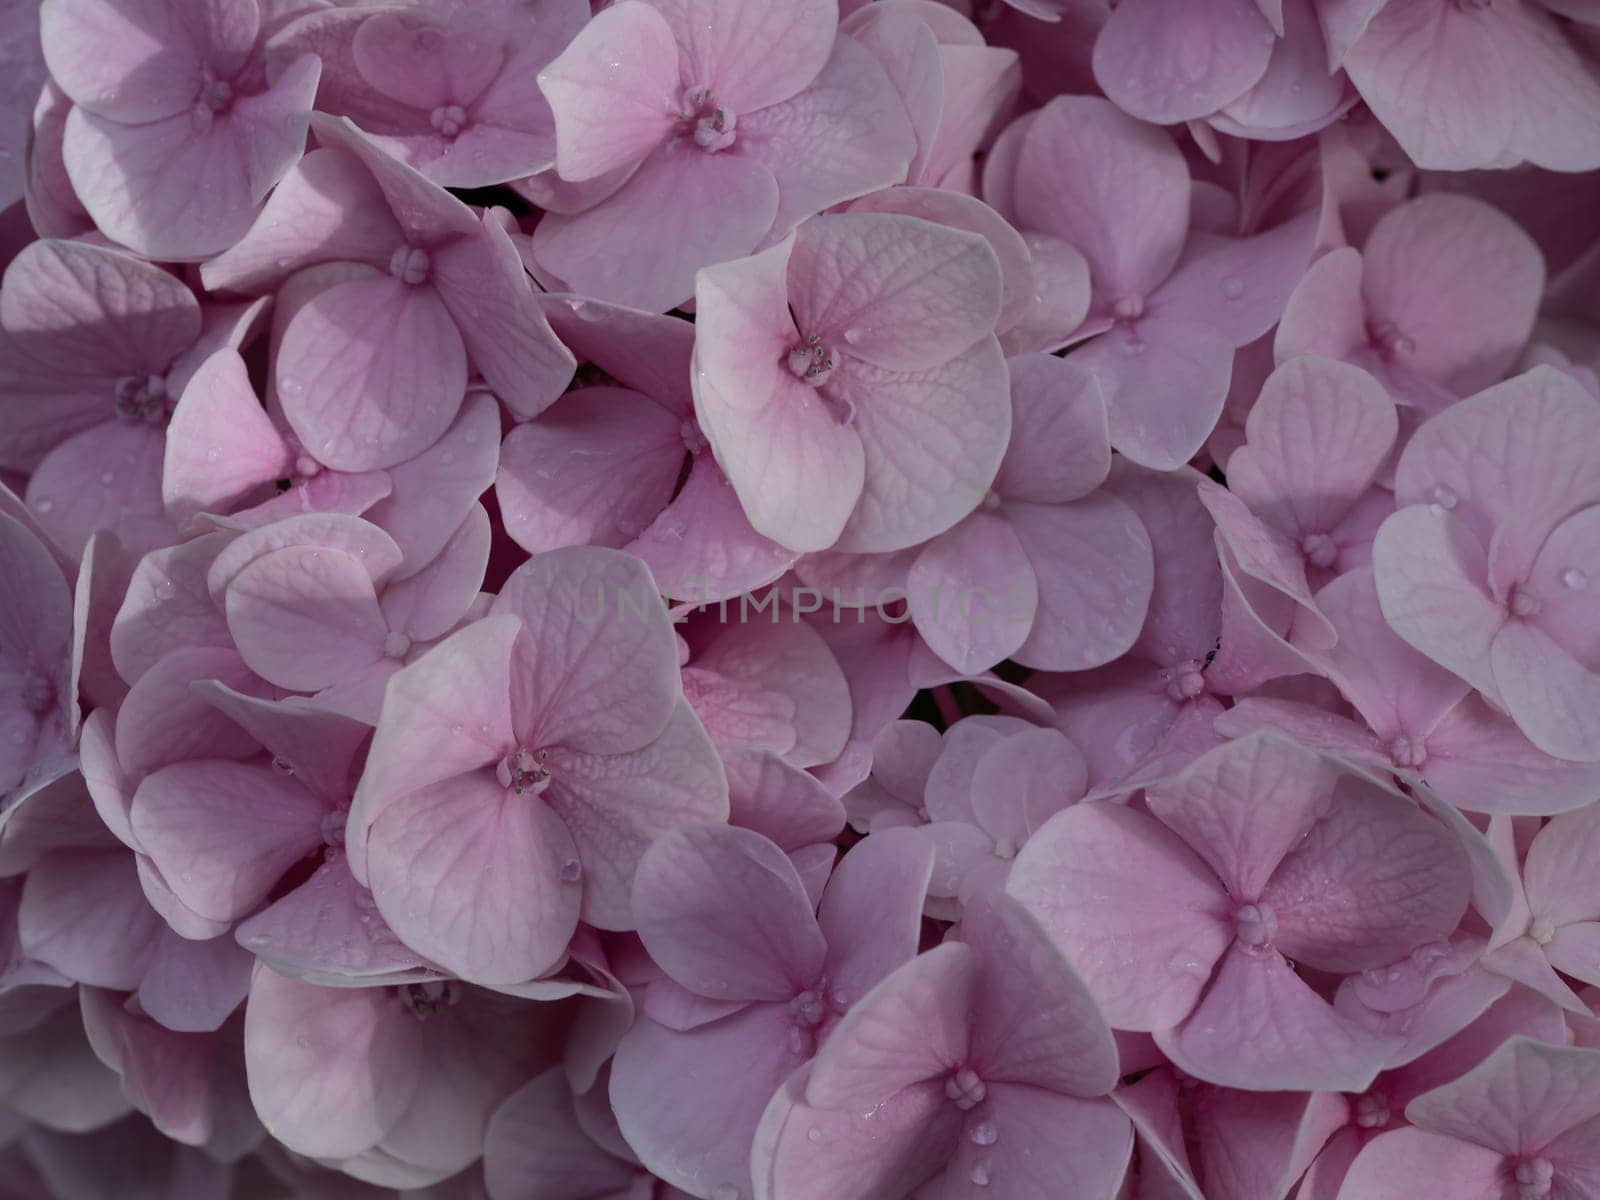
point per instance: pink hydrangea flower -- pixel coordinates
(163, 95)
(706, 115)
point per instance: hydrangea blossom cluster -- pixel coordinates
(800, 599)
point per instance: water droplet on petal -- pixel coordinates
(984, 1134)
(1574, 579)
(980, 1175)
(1232, 288)
(571, 870)
(1444, 497)
(725, 1191)
(814, 1134)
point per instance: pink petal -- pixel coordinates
(1144, 956)
(375, 389)
(1482, 762)
(1430, 571)
(896, 292)
(1371, 882)
(932, 440)
(973, 593)
(424, 64)
(82, 913)
(871, 912)
(1403, 1161)
(1551, 695)
(1488, 270)
(220, 444)
(912, 1027)
(1238, 286)
(1094, 568)
(553, 489)
(751, 54)
(134, 179)
(223, 834)
(680, 211)
(483, 285)
(1517, 1100)
(843, 136)
(1167, 62)
(605, 117)
(616, 805)
(328, 208)
(106, 478)
(1060, 448)
(722, 911)
(1340, 410)
(1044, 1141)
(597, 671)
(475, 878)
(306, 618)
(331, 1070)
(462, 688)
(1260, 1025)
(1036, 1022)
(1245, 806)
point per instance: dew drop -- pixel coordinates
(1444, 497)
(107, 478)
(980, 1175)
(1232, 288)
(1130, 349)
(282, 765)
(814, 1134)
(1574, 579)
(571, 870)
(43, 504)
(984, 1134)
(725, 1191)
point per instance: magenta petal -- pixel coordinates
(371, 372)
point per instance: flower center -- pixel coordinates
(426, 1000)
(448, 119)
(712, 125)
(1255, 925)
(1388, 342)
(1320, 549)
(1186, 681)
(333, 826)
(1408, 751)
(524, 770)
(38, 693)
(409, 265)
(213, 97)
(396, 644)
(1542, 930)
(812, 361)
(1534, 1177)
(693, 440)
(1524, 602)
(1372, 1110)
(965, 1090)
(1128, 308)
(143, 398)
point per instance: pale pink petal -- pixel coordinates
(843, 136)
(1144, 956)
(223, 834)
(871, 912)
(1552, 696)
(306, 618)
(973, 593)
(751, 55)
(1166, 61)
(896, 292)
(331, 1070)
(932, 441)
(220, 443)
(105, 478)
(1043, 1141)
(595, 469)
(371, 372)
(1238, 286)
(722, 911)
(475, 877)
(680, 211)
(1060, 448)
(1094, 568)
(1482, 762)
(1371, 882)
(1246, 805)
(615, 805)
(1404, 1162)
(911, 1027)
(607, 115)
(1261, 1026)
(1517, 1100)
